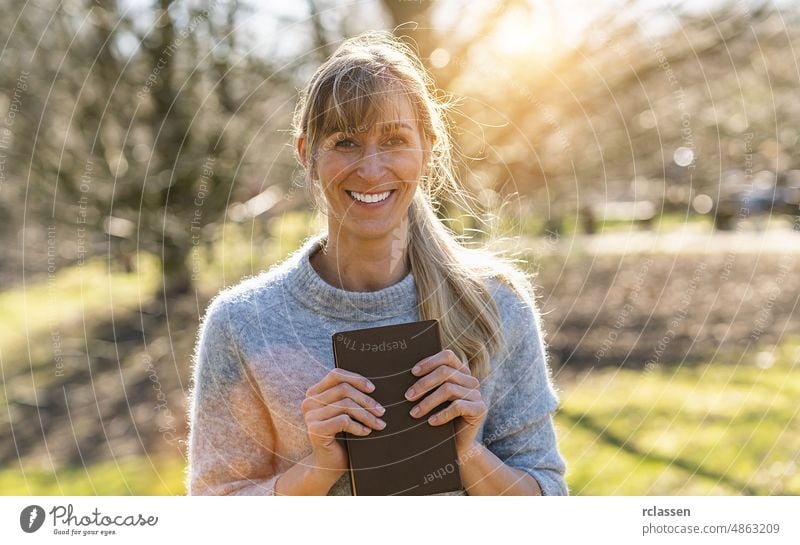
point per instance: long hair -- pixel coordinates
(348, 91)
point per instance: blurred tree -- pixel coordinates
(145, 124)
(581, 121)
(141, 135)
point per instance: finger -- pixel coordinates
(446, 392)
(472, 411)
(445, 357)
(329, 428)
(349, 407)
(440, 375)
(341, 391)
(336, 376)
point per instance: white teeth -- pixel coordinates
(363, 197)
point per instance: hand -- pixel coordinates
(448, 378)
(339, 403)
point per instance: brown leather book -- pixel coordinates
(409, 456)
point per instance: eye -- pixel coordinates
(396, 141)
(344, 143)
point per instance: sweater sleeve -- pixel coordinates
(519, 425)
(231, 438)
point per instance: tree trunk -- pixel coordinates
(176, 277)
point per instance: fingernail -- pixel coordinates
(381, 423)
(415, 411)
(380, 409)
(415, 369)
(410, 393)
(370, 386)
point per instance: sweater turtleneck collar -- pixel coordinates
(305, 283)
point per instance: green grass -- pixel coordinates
(132, 476)
(672, 221)
(75, 300)
(73, 297)
(242, 250)
(713, 429)
(571, 224)
(80, 296)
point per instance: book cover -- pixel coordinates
(409, 456)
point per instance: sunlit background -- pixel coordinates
(640, 156)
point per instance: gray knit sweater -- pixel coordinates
(263, 342)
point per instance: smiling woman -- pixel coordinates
(268, 405)
(370, 174)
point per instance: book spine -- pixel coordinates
(345, 435)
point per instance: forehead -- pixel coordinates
(361, 109)
(396, 113)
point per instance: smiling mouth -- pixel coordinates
(370, 198)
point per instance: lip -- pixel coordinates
(385, 201)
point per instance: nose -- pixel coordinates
(371, 166)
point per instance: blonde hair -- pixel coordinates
(346, 93)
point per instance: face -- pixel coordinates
(369, 176)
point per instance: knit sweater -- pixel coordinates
(263, 342)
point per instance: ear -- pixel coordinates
(300, 148)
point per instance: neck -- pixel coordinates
(354, 264)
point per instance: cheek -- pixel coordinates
(408, 165)
(331, 169)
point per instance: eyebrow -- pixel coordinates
(385, 127)
(389, 125)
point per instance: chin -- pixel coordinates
(369, 232)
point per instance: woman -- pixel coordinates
(267, 402)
